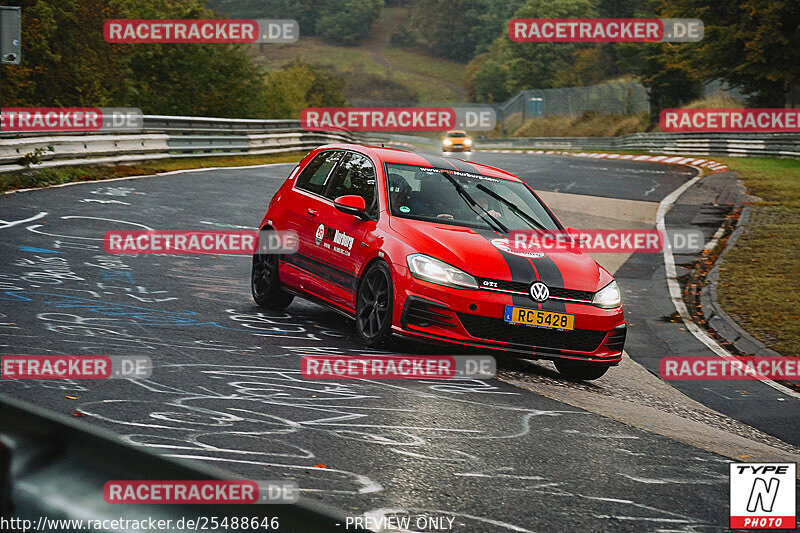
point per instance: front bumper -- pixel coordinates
(474, 318)
(456, 148)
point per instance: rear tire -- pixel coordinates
(579, 370)
(265, 285)
(374, 304)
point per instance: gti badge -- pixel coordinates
(540, 292)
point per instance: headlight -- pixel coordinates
(447, 142)
(429, 269)
(468, 142)
(608, 297)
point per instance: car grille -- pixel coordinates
(497, 329)
(519, 286)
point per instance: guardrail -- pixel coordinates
(163, 137)
(51, 466)
(173, 137)
(167, 124)
(719, 144)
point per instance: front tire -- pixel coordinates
(374, 304)
(579, 370)
(265, 285)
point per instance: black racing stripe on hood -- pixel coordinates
(523, 269)
(527, 270)
(463, 166)
(520, 268)
(550, 275)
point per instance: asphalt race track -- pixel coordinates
(226, 386)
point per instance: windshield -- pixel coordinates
(425, 193)
(457, 134)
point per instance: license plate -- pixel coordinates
(536, 317)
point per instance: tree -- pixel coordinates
(66, 62)
(299, 85)
(751, 44)
(670, 82)
(63, 64)
(345, 22)
(458, 29)
(527, 65)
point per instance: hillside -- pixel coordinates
(375, 69)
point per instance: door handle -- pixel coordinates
(313, 212)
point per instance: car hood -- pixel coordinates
(486, 254)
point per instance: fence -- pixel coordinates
(624, 98)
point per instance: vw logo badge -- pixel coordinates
(540, 292)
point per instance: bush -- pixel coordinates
(344, 22)
(588, 124)
(347, 22)
(366, 86)
(299, 85)
(403, 37)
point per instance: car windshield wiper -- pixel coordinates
(514, 207)
(472, 203)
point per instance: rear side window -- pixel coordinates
(356, 175)
(315, 175)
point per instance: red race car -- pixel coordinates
(417, 245)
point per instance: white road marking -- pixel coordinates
(6, 224)
(124, 178)
(87, 200)
(675, 294)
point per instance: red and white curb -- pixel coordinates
(713, 166)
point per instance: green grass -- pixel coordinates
(314, 50)
(43, 177)
(431, 78)
(760, 275)
(588, 124)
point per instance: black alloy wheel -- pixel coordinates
(374, 306)
(265, 285)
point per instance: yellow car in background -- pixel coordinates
(456, 141)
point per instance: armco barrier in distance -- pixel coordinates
(165, 137)
(723, 144)
(170, 137)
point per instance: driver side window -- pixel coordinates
(356, 175)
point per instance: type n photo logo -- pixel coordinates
(763, 495)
